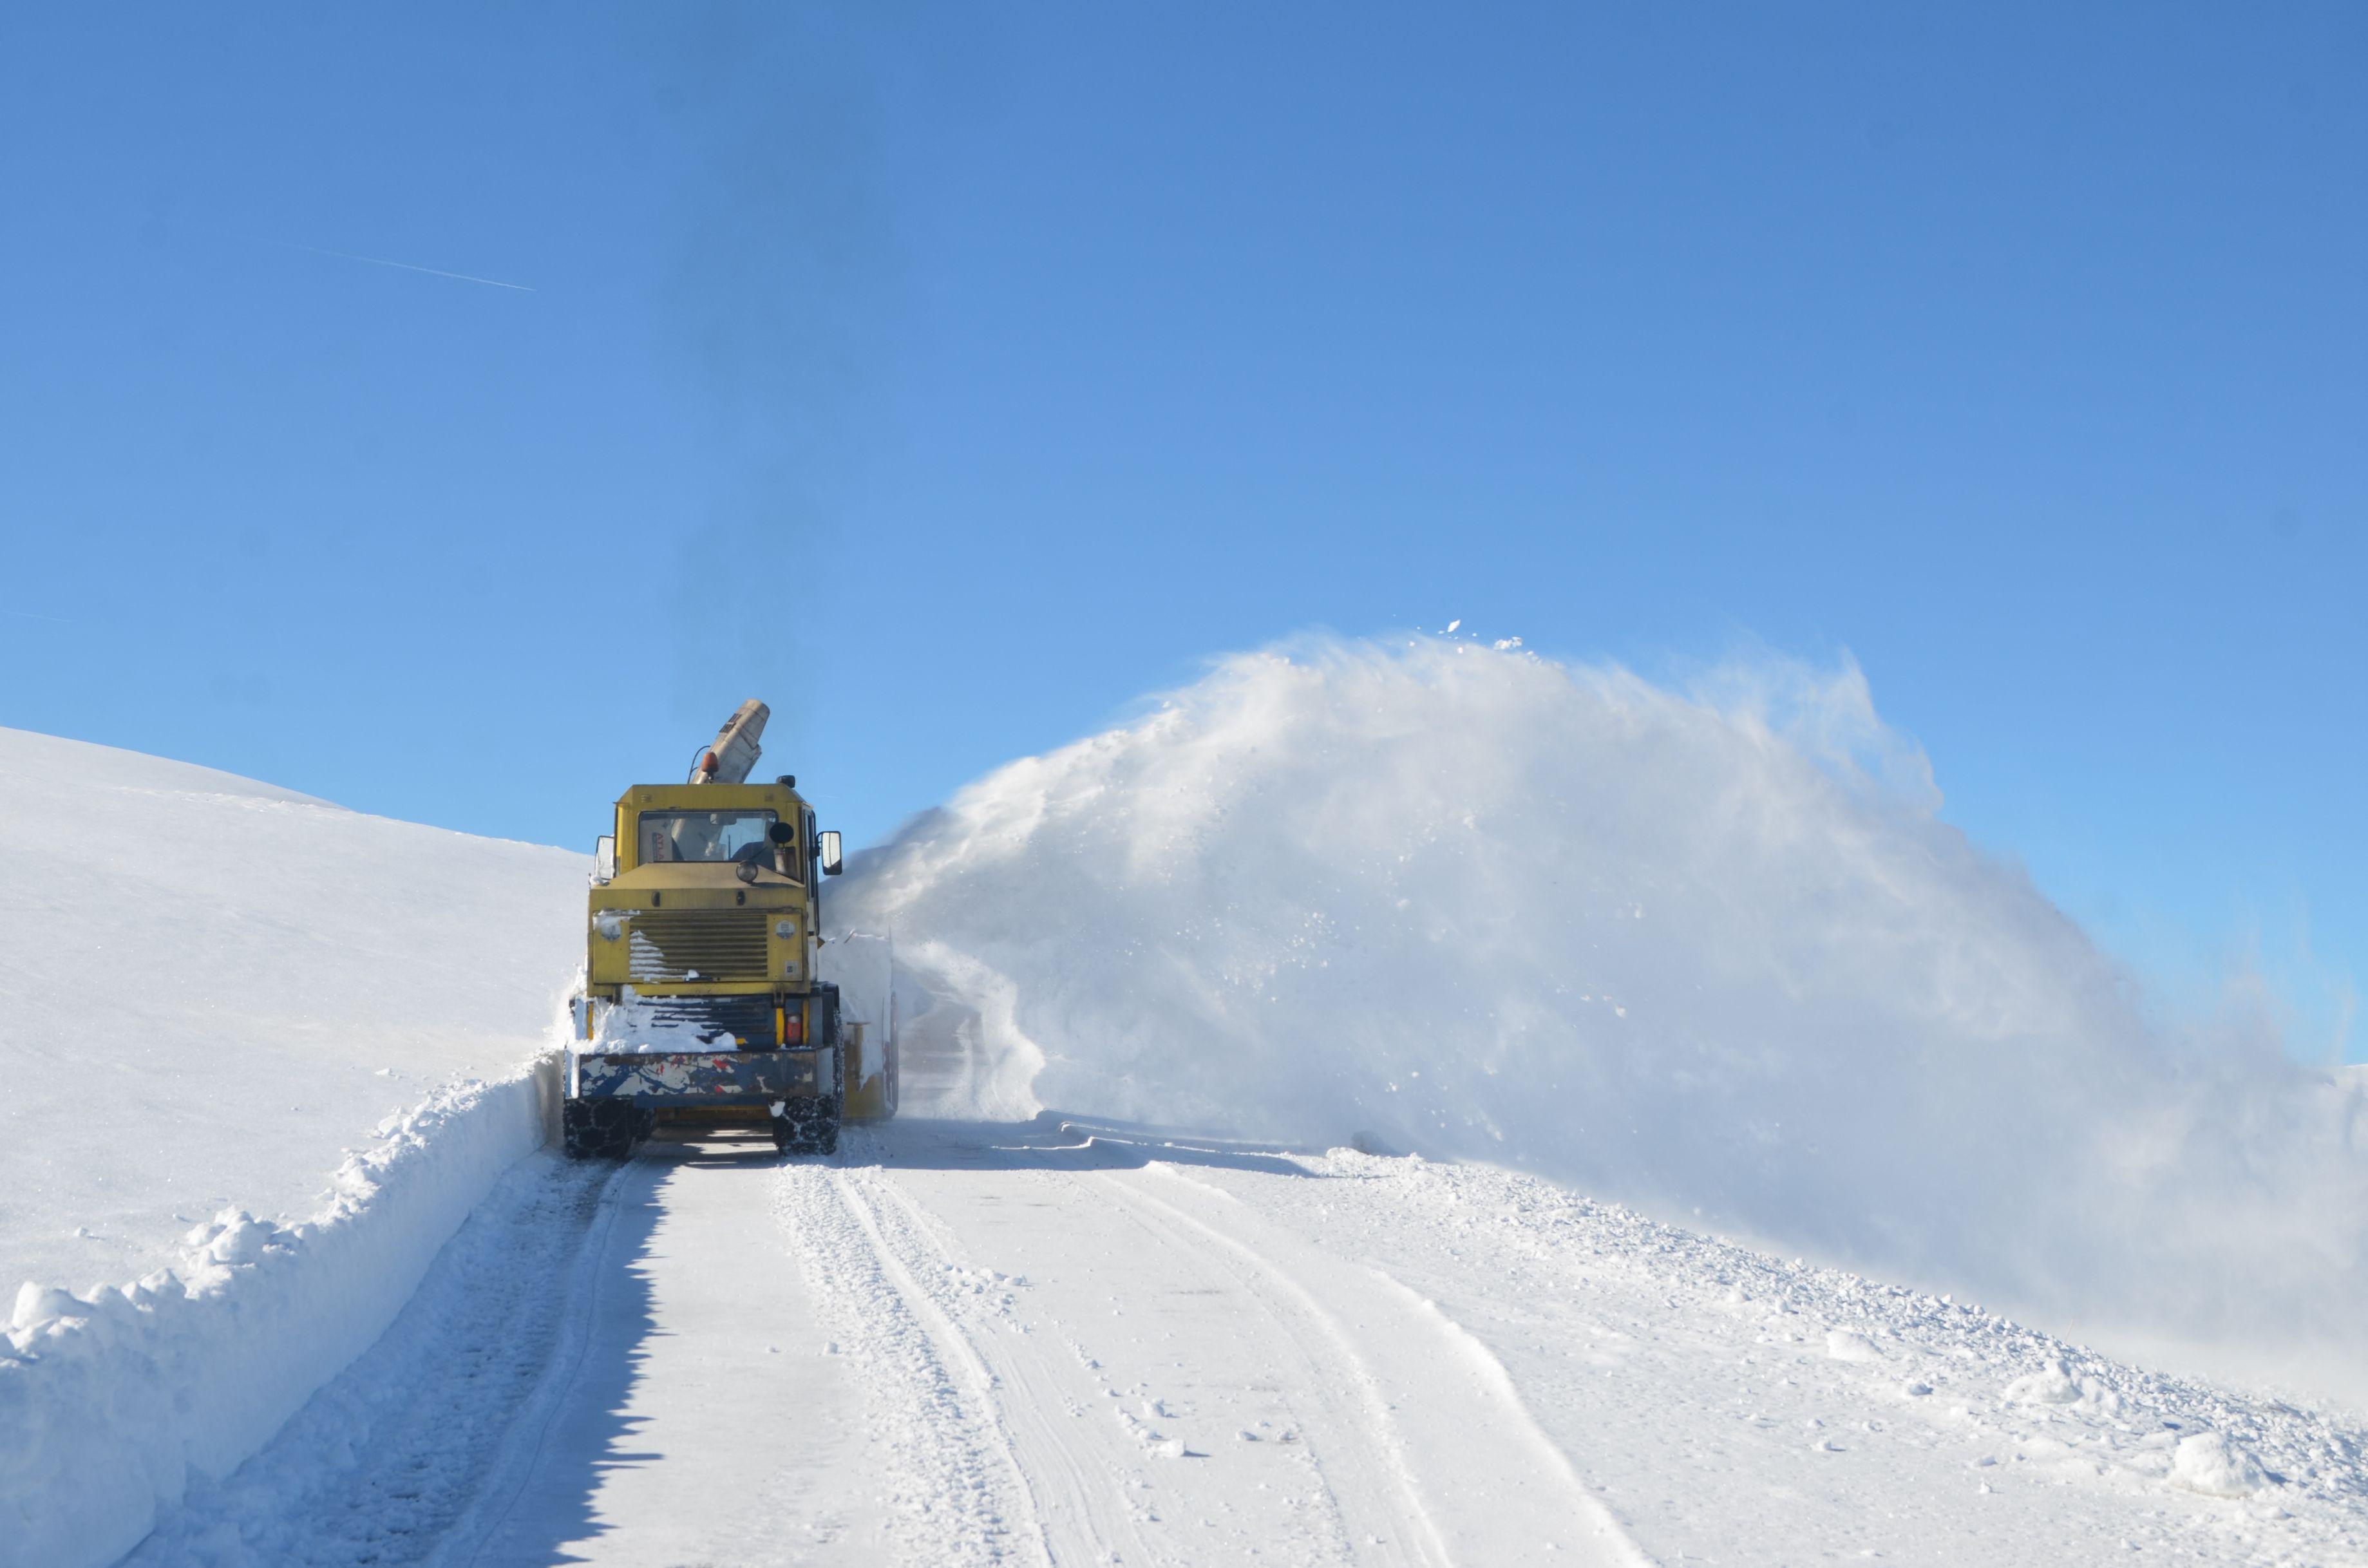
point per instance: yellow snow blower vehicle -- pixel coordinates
(702, 1003)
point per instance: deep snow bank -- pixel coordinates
(209, 990)
(112, 1400)
(1711, 953)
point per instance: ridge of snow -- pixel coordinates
(112, 1400)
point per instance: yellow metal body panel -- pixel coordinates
(689, 897)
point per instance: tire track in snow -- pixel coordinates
(1323, 1538)
(1532, 1503)
(1609, 1534)
(512, 1466)
(1286, 1332)
(1081, 1518)
(957, 1494)
(1363, 1462)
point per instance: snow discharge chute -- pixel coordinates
(1715, 954)
(728, 757)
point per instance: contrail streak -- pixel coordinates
(407, 266)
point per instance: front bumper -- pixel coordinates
(701, 1078)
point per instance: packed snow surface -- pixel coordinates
(1712, 952)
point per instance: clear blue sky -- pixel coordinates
(950, 379)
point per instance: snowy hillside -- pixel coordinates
(209, 989)
(241, 1028)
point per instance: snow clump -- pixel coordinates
(2208, 1462)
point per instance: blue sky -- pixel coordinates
(953, 380)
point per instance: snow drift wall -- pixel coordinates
(112, 1400)
(211, 989)
(1711, 953)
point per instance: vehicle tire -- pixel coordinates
(624, 1131)
(789, 1124)
(576, 1133)
(599, 1130)
(808, 1125)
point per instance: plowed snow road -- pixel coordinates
(952, 1343)
(1060, 1343)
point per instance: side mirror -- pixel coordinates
(603, 859)
(830, 863)
(782, 832)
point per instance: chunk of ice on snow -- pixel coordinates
(2208, 1462)
(243, 1240)
(1844, 1345)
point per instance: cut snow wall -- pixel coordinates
(110, 1403)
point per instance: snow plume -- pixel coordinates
(1710, 952)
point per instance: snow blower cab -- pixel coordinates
(702, 1003)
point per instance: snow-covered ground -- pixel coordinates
(1069, 1340)
(1590, 974)
(264, 1054)
(211, 989)
(1053, 1342)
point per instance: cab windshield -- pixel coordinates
(708, 835)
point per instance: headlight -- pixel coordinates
(611, 926)
(785, 930)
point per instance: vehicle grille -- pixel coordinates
(698, 944)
